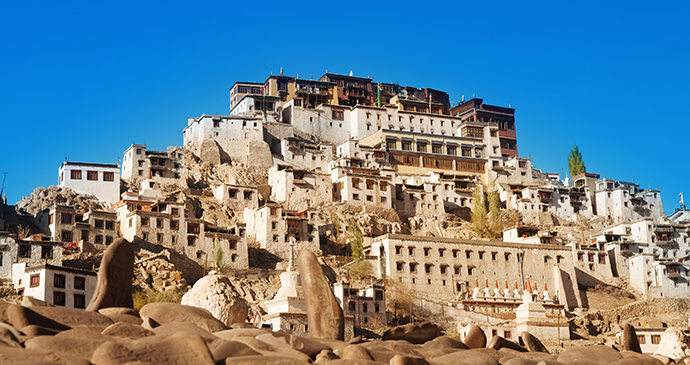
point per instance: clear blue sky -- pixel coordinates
(85, 79)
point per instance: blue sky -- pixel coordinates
(85, 79)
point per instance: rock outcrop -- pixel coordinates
(324, 315)
(216, 294)
(114, 285)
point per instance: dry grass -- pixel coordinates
(143, 297)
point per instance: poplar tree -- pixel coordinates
(478, 223)
(575, 163)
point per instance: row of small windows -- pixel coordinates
(92, 175)
(455, 253)
(67, 218)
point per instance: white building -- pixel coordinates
(659, 278)
(63, 223)
(150, 217)
(60, 286)
(367, 306)
(273, 227)
(28, 251)
(620, 202)
(299, 189)
(97, 179)
(137, 162)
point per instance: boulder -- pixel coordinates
(12, 356)
(216, 294)
(356, 352)
(476, 338)
(75, 317)
(629, 339)
(180, 348)
(466, 357)
(598, 354)
(413, 333)
(532, 343)
(127, 331)
(408, 360)
(264, 360)
(29, 301)
(673, 344)
(222, 349)
(324, 315)
(156, 314)
(74, 346)
(9, 335)
(114, 283)
(21, 317)
(445, 342)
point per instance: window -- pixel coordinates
(59, 281)
(34, 280)
(398, 250)
(65, 218)
(98, 223)
(190, 240)
(383, 199)
(92, 175)
(421, 147)
(47, 252)
(440, 252)
(507, 334)
(656, 339)
(159, 223)
(391, 144)
(399, 266)
(175, 212)
(406, 146)
(108, 240)
(437, 148)
(481, 255)
(426, 251)
(370, 198)
(427, 268)
(59, 298)
(451, 150)
(355, 183)
(193, 228)
(443, 269)
(174, 225)
(79, 301)
(337, 114)
(468, 254)
(232, 244)
(108, 176)
(247, 195)
(274, 211)
(66, 236)
(144, 221)
(365, 307)
(355, 196)
(456, 270)
(75, 174)
(641, 339)
(110, 225)
(24, 251)
(98, 239)
(413, 266)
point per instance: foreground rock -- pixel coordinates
(475, 338)
(629, 340)
(114, 285)
(215, 294)
(156, 314)
(324, 315)
(673, 344)
(413, 333)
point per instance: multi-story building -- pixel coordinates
(474, 110)
(298, 189)
(60, 286)
(273, 226)
(27, 251)
(240, 137)
(366, 305)
(150, 217)
(655, 277)
(241, 89)
(443, 268)
(138, 163)
(97, 179)
(64, 223)
(620, 202)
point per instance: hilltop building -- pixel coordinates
(97, 179)
(138, 163)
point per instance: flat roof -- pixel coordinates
(61, 268)
(93, 164)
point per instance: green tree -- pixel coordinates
(575, 163)
(336, 223)
(218, 255)
(479, 223)
(495, 227)
(356, 240)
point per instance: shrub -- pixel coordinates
(143, 297)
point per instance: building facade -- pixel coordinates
(97, 179)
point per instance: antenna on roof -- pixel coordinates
(281, 71)
(351, 74)
(463, 98)
(474, 95)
